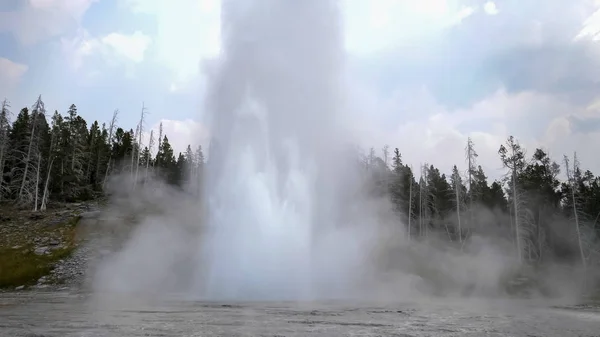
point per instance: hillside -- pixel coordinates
(42, 249)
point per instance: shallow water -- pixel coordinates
(63, 314)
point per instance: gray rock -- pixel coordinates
(20, 288)
(42, 250)
(90, 215)
(58, 220)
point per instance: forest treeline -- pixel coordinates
(53, 157)
(545, 219)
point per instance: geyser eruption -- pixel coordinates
(275, 225)
(287, 212)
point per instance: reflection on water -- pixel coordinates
(62, 314)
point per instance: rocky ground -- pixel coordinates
(69, 272)
(41, 250)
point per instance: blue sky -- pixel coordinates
(424, 74)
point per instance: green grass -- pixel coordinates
(19, 265)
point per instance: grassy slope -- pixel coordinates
(21, 232)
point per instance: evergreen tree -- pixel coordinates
(459, 192)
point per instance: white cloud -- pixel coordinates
(75, 8)
(525, 78)
(36, 20)
(114, 49)
(371, 26)
(490, 8)
(435, 135)
(186, 33)
(78, 48)
(561, 139)
(591, 27)
(132, 47)
(180, 133)
(190, 31)
(464, 13)
(10, 74)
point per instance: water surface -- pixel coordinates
(64, 314)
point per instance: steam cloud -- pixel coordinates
(283, 214)
(275, 226)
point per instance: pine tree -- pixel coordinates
(199, 155)
(190, 161)
(75, 135)
(513, 158)
(52, 154)
(459, 191)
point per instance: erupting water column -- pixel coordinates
(274, 171)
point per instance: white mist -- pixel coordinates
(276, 175)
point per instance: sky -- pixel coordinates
(430, 73)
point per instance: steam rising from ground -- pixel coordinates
(283, 214)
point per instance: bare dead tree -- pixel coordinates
(386, 154)
(139, 142)
(45, 194)
(111, 133)
(150, 149)
(37, 181)
(471, 157)
(572, 184)
(4, 130)
(27, 189)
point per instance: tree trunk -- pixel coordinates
(539, 234)
(410, 190)
(577, 230)
(46, 187)
(457, 193)
(516, 214)
(27, 159)
(106, 173)
(37, 183)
